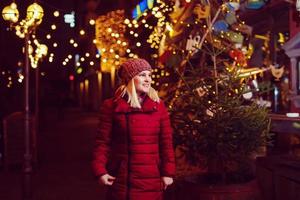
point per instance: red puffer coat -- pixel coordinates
(135, 146)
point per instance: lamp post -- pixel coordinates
(24, 29)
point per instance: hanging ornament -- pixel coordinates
(281, 38)
(209, 113)
(201, 91)
(192, 43)
(243, 28)
(248, 51)
(255, 84)
(238, 56)
(255, 4)
(230, 18)
(220, 26)
(248, 94)
(277, 72)
(234, 37)
(234, 6)
(202, 11)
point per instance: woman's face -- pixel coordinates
(142, 82)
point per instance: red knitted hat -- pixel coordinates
(133, 67)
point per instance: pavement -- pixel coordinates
(65, 144)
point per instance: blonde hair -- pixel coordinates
(132, 95)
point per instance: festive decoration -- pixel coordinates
(192, 43)
(238, 56)
(11, 13)
(220, 26)
(202, 11)
(41, 51)
(230, 18)
(255, 4)
(33, 18)
(110, 39)
(277, 72)
(142, 7)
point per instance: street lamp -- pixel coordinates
(24, 28)
(10, 13)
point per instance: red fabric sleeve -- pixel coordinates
(103, 138)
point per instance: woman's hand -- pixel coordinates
(167, 181)
(106, 179)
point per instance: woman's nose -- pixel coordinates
(148, 78)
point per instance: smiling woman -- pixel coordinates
(134, 153)
(143, 82)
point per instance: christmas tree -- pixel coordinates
(217, 125)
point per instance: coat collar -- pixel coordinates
(121, 106)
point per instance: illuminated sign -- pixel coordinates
(142, 7)
(70, 19)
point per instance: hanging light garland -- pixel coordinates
(36, 55)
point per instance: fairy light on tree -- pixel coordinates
(110, 39)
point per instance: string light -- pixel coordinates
(82, 32)
(92, 22)
(56, 13)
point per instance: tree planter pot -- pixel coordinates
(197, 191)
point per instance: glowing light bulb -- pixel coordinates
(82, 32)
(92, 22)
(56, 13)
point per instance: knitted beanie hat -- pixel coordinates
(133, 67)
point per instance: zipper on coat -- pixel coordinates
(128, 154)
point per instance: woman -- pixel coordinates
(134, 153)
